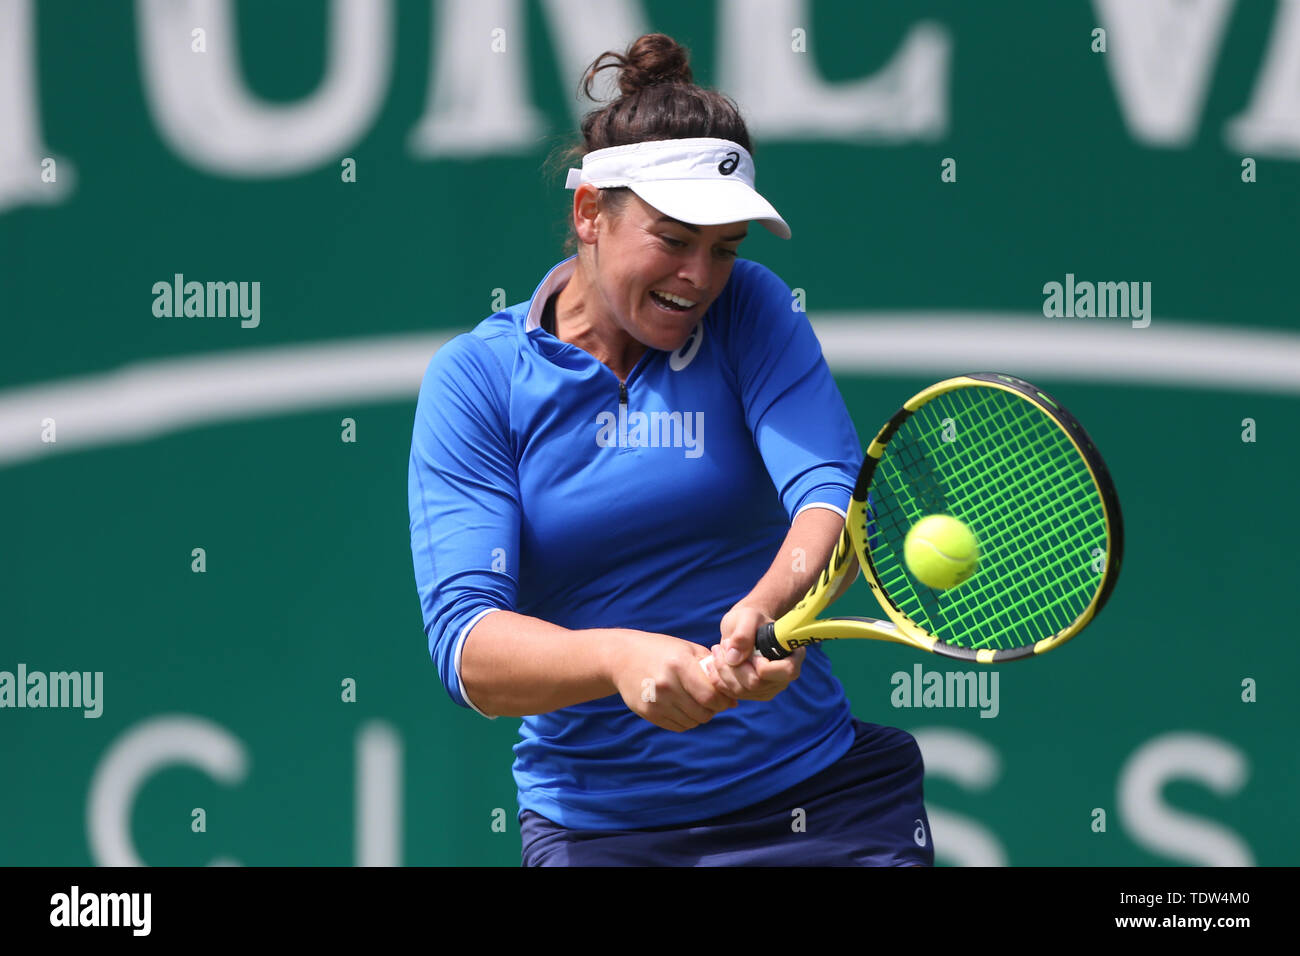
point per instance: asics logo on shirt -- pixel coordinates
(682, 357)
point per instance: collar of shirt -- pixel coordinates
(554, 281)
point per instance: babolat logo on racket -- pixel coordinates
(728, 165)
(804, 641)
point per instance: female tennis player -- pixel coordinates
(615, 483)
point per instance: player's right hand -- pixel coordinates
(660, 679)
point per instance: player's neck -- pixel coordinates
(577, 324)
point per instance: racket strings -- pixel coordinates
(999, 463)
(1025, 550)
(1062, 490)
(1014, 496)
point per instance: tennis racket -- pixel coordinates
(1007, 459)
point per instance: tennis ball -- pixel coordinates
(941, 551)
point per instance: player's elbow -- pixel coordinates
(447, 635)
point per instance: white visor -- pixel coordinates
(703, 181)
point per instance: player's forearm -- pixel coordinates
(513, 665)
(804, 553)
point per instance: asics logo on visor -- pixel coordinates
(728, 166)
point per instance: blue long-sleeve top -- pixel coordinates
(538, 485)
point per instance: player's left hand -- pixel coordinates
(753, 677)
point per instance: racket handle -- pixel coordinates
(767, 644)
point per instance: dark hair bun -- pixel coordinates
(652, 59)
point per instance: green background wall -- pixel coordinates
(309, 579)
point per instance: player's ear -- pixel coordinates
(586, 207)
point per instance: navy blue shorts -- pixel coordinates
(866, 809)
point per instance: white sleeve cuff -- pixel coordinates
(821, 504)
(460, 644)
